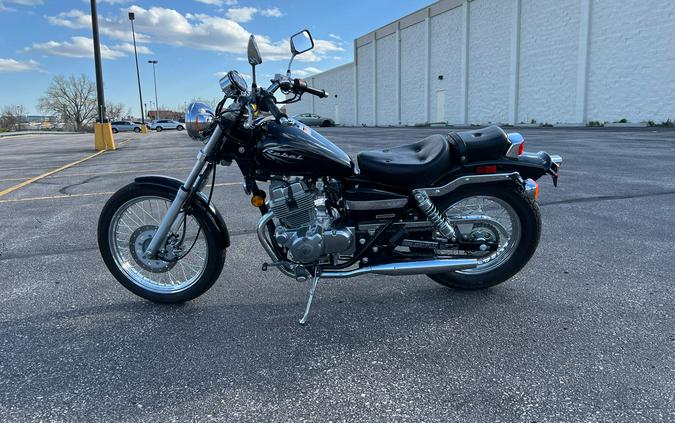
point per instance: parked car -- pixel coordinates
(124, 126)
(314, 120)
(162, 124)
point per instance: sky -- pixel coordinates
(195, 42)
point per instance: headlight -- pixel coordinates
(198, 120)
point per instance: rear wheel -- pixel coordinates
(158, 129)
(325, 123)
(127, 223)
(137, 130)
(114, 130)
(179, 128)
(511, 219)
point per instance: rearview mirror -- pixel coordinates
(254, 58)
(301, 42)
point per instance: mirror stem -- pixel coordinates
(288, 72)
(253, 84)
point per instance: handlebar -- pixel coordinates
(301, 85)
(270, 104)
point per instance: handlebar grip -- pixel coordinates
(271, 106)
(301, 85)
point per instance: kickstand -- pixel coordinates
(312, 288)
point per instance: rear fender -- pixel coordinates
(528, 165)
(199, 200)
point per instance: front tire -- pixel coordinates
(158, 129)
(152, 279)
(115, 130)
(179, 128)
(529, 222)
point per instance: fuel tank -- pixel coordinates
(299, 150)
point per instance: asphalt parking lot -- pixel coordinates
(586, 332)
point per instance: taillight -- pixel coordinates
(486, 169)
(521, 148)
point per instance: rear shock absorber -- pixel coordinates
(435, 217)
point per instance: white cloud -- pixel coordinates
(335, 36)
(273, 12)
(196, 31)
(218, 2)
(12, 65)
(306, 72)
(241, 14)
(4, 8)
(129, 48)
(77, 19)
(79, 47)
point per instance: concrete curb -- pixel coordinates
(17, 134)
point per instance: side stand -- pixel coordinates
(312, 288)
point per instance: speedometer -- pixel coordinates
(233, 81)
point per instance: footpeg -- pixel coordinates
(312, 289)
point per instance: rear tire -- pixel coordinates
(137, 130)
(214, 261)
(158, 129)
(179, 128)
(325, 124)
(527, 211)
(114, 130)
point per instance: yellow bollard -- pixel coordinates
(144, 129)
(103, 137)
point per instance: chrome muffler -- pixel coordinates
(421, 267)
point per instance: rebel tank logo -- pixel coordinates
(281, 155)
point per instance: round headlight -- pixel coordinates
(198, 120)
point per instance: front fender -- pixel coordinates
(200, 200)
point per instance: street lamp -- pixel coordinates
(154, 75)
(138, 73)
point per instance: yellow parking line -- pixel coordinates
(87, 194)
(118, 172)
(55, 197)
(51, 172)
(44, 175)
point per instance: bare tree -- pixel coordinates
(11, 117)
(117, 111)
(73, 99)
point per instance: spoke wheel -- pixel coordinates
(185, 267)
(502, 225)
(499, 213)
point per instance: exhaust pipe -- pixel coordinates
(422, 267)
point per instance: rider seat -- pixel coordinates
(480, 144)
(409, 166)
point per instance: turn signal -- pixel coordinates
(257, 201)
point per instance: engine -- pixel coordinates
(306, 227)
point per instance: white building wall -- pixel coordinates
(549, 40)
(632, 60)
(413, 67)
(446, 62)
(387, 105)
(366, 112)
(489, 60)
(511, 61)
(339, 105)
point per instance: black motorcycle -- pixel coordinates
(460, 207)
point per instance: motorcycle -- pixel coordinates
(459, 207)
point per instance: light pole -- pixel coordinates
(154, 75)
(103, 137)
(138, 72)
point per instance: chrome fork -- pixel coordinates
(172, 218)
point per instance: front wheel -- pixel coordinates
(179, 128)
(158, 129)
(510, 219)
(190, 261)
(137, 130)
